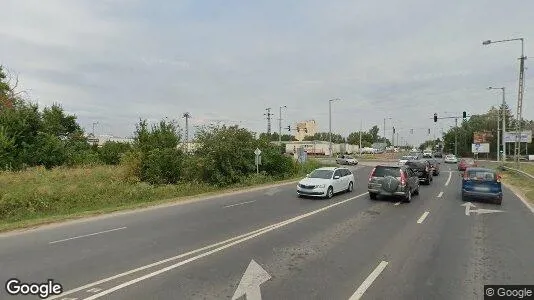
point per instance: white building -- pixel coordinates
(320, 147)
(306, 128)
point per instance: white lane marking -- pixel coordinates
(440, 194)
(397, 203)
(86, 235)
(227, 243)
(368, 281)
(241, 203)
(94, 290)
(69, 299)
(448, 179)
(423, 217)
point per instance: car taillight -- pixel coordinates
(372, 173)
(499, 178)
(403, 178)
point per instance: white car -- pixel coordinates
(404, 159)
(451, 159)
(325, 182)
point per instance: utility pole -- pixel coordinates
(384, 129)
(456, 137)
(268, 114)
(186, 116)
(330, 123)
(503, 125)
(94, 123)
(280, 126)
(361, 128)
(520, 102)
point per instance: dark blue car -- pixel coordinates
(482, 184)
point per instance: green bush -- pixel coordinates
(111, 152)
(132, 161)
(162, 166)
(276, 164)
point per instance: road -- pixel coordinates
(296, 248)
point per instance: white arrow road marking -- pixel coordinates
(86, 235)
(368, 281)
(479, 211)
(468, 206)
(448, 179)
(440, 194)
(423, 217)
(486, 211)
(250, 283)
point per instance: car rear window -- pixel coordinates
(481, 175)
(382, 171)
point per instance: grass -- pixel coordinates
(38, 196)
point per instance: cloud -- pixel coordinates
(118, 61)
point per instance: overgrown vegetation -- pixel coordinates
(48, 169)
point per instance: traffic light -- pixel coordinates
(464, 115)
(411, 131)
(435, 117)
(393, 130)
(428, 130)
(289, 128)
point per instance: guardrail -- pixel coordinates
(518, 171)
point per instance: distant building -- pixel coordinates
(306, 128)
(102, 139)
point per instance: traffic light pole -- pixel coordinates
(464, 115)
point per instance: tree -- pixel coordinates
(324, 136)
(374, 132)
(354, 139)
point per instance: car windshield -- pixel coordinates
(324, 174)
(481, 175)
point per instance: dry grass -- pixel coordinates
(39, 196)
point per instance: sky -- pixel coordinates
(117, 61)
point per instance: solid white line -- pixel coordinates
(397, 203)
(448, 179)
(227, 243)
(440, 194)
(368, 281)
(423, 217)
(94, 290)
(86, 235)
(237, 204)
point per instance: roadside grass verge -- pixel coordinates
(38, 196)
(522, 183)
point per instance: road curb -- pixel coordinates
(517, 192)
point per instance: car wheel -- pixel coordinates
(299, 195)
(498, 201)
(372, 196)
(330, 193)
(408, 197)
(351, 187)
(416, 192)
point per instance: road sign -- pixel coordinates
(480, 148)
(526, 137)
(257, 151)
(258, 159)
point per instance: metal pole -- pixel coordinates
(384, 129)
(361, 128)
(503, 125)
(456, 137)
(498, 136)
(280, 128)
(330, 126)
(520, 102)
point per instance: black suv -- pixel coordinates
(393, 181)
(422, 169)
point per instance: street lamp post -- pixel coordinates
(280, 126)
(503, 128)
(330, 123)
(520, 92)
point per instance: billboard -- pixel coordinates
(482, 137)
(480, 148)
(526, 137)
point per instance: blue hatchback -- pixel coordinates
(481, 183)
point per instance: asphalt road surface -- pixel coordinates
(343, 248)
